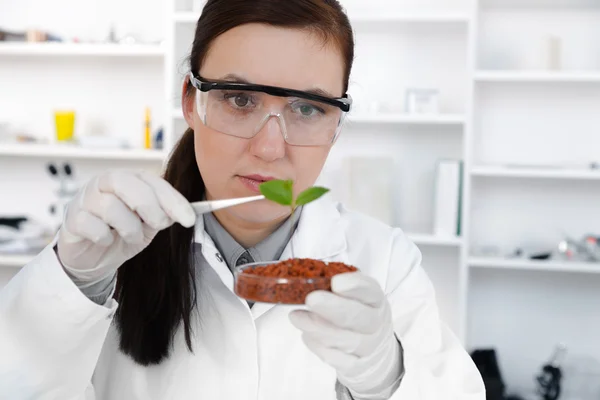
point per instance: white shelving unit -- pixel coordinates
(533, 265)
(398, 119)
(72, 49)
(370, 18)
(108, 85)
(188, 17)
(15, 261)
(533, 173)
(418, 17)
(433, 240)
(407, 119)
(538, 76)
(525, 112)
(75, 152)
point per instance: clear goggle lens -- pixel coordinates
(243, 114)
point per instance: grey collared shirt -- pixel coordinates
(234, 254)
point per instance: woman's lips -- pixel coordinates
(253, 182)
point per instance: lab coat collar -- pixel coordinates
(320, 235)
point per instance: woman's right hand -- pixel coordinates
(113, 218)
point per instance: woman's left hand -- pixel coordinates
(351, 330)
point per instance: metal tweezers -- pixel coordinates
(203, 207)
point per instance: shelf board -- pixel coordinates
(75, 49)
(401, 119)
(408, 119)
(362, 18)
(410, 17)
(186, 16)
(538, 76)
(68, 151)
(541, 173)
(15, 260)
(540, 4)
(534, 265)
(434, 240)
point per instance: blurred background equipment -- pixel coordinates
(67, 188)
(487, 364)
(549, 380)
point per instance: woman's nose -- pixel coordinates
(269, 143)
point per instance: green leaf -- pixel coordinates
(310, 194)
(279, 191)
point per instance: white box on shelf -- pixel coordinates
(553, 52)
(447, 201)
(422, 101)
(370, 181)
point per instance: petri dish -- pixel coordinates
(285, 282)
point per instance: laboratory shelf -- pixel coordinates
(362, 18)
(74, 152)
(408, 119)
(534, 265)
(536, 173)
(186, 16)
(538, 76)
(76, 49)
(15, 260)
(539, 5)
(397, 119)
(411, 17)
(434, 240)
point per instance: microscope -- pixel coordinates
(67, 188)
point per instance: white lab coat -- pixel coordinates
(57, 344)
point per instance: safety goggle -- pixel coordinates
(243, 109)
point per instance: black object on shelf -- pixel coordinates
(487, 364)
(13, 222)
(52, 169)
(541, 256)
(549, 380)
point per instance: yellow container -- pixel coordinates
(65, 125)
(147, 134)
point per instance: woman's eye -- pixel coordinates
(239, 100)
(308, 110)
(242, 100)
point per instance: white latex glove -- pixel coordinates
(351, 330)
(113, 218)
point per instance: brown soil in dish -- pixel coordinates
(294, 291)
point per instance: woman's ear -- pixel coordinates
(187, 102)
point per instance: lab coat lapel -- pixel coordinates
(210, 254)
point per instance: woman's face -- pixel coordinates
(261, 54)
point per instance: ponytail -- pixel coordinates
(156, 289)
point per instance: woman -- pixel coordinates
(134, 299)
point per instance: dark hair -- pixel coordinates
(156, 289)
